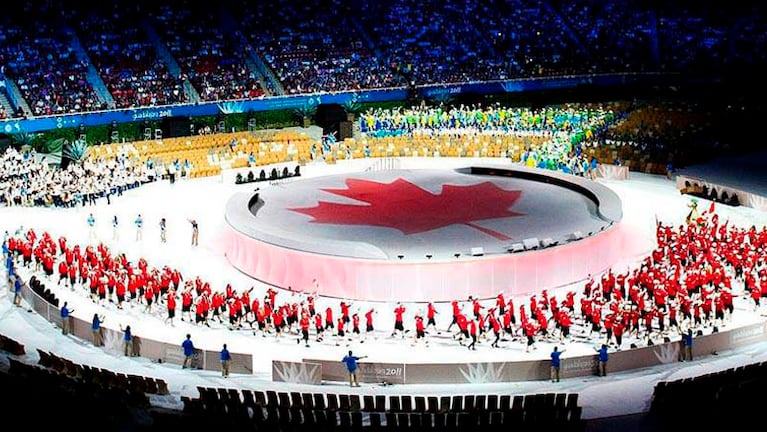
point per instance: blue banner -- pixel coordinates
(431, 92)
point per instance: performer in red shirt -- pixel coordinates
(398, 325)
(304, 324)
(170, 303)
(420, 330)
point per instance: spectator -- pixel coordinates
(555, 363)
(225, 359)
(188, 348)
(66, 319)
(96, 330)
(127, 341)
(351, 366)
(16, 290)
(687, 342)
(603, 356)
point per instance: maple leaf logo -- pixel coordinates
(410, 209)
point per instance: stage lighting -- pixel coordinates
(516, 247)
(548, 242)
(456, 255)
(400, 256)
(531, 243)
(477, 251)
(428, 256)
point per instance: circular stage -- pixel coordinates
(425, 234)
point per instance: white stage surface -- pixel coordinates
(428, 235)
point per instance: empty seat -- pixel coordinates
(356, 421)
(433, 403)
(466, 421)
(151, 385)
(247, 398)
(368, 403)
(319, 401)
(295, 400)
(403, 420)
(415, 421)
(480, 402)
(272, 400)
(45, 359)
(223, 394)
(549, 399)
(440, 419)
(283, 399)
(307, 415)
(162, 387)
(504, 402)
(380, 405)
(391, 420)
(469, 403)
(354, 402)
(456, 404)
(260, 397)
(444, 403)
(307, 400)
(426, 420)
(451, 421)
(518, 403)
(492, 403)
(572, 400)
(406, 403)
(332, 401)
(496, 418)
(560, 400)
(375, 420)
(420, 403)
(344, 403)
(394, 404)
(321, 417)
(345, 420)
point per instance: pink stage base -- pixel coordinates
(483, 277)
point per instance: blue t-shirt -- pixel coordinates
(96, 324)
(64, 312)
(127, 336)
(555, 358)
(351, 362)
(688, 339)
(225, 356)
(188, 347)
(603, 355)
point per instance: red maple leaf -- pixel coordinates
(410, 209)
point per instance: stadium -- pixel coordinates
(499, 214)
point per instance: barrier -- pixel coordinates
(537, 370)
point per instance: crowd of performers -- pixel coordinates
(565, 129)
(687, 282)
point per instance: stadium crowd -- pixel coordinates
(48, 50)
(28, 180)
